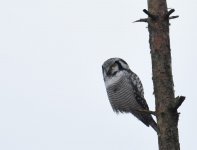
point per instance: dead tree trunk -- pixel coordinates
(166, 103)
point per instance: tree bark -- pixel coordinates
(166, 103)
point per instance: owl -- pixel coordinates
(125, 90)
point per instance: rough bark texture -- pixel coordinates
(167, 116)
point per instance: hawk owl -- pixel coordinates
(125, 90)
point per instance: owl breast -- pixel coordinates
(120, 93)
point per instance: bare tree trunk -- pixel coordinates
(166, 103)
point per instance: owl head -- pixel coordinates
(112, 66)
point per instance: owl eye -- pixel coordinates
(112, 69)
(113, 66)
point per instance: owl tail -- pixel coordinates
(153, 124)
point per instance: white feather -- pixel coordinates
(114, 79)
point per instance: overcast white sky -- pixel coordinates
(52, 94)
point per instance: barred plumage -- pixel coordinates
(125, 90)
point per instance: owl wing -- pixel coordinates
(138, 90)
(141, 101)
(137, 84)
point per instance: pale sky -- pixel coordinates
(52, 91)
